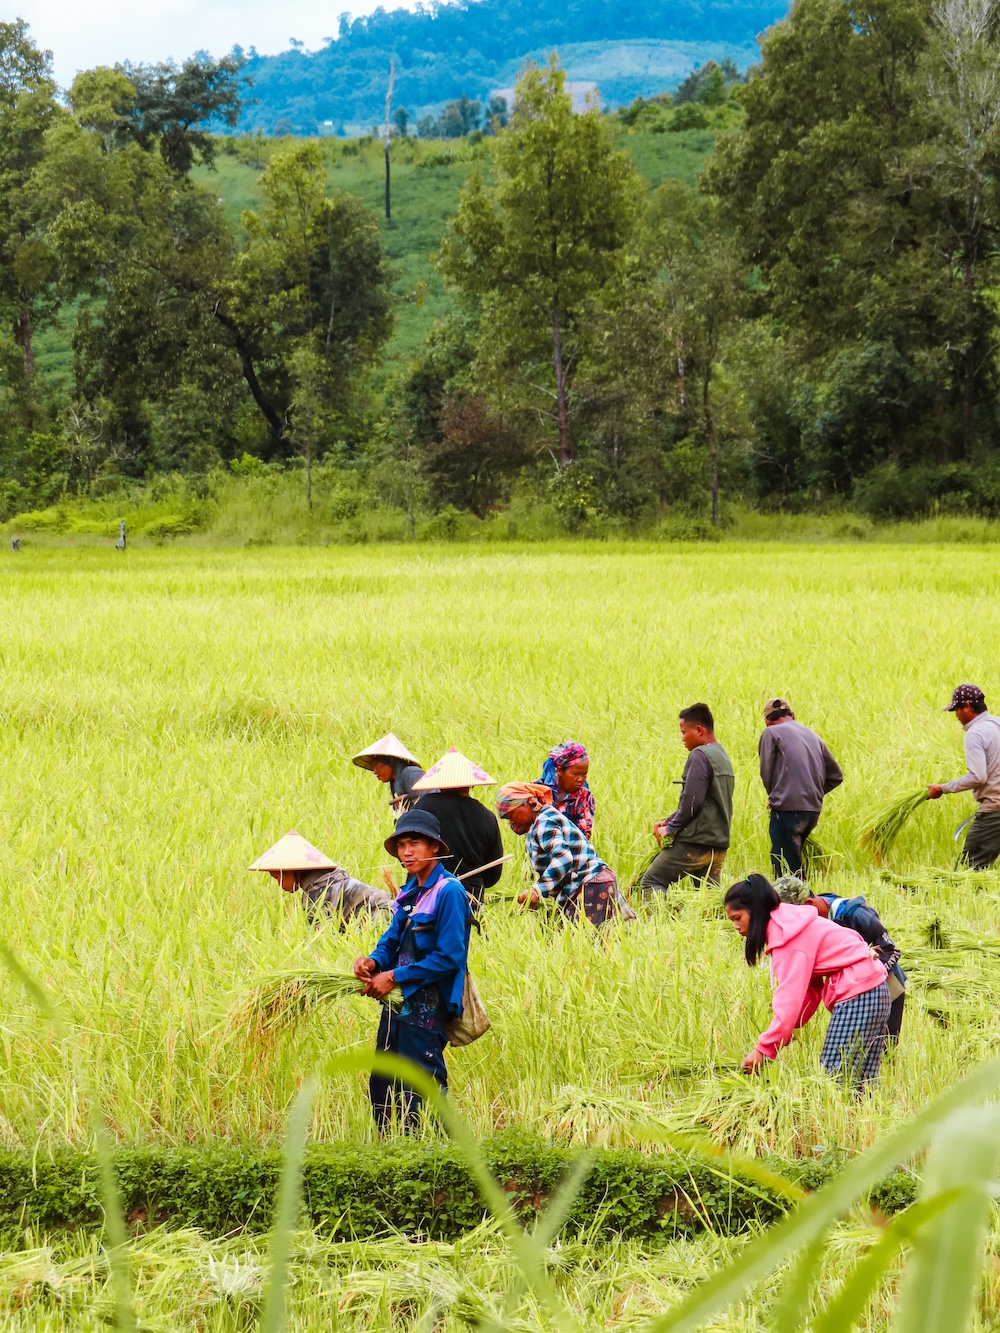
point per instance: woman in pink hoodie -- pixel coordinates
(812, 959)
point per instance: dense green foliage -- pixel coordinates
(355, 1190)
(445, 50)
(557, 313)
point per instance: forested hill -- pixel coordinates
(445, 50)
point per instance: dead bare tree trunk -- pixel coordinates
(557, 361)
(387, 141)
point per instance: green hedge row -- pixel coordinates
(355, 1191)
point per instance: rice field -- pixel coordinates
(168, 714)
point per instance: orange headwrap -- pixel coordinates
(519, 793)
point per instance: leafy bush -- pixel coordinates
(688, 116)
(363, 1190)
(957, 488)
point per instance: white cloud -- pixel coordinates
(83, 33)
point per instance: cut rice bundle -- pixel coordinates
(883, 825)
(281, 1001)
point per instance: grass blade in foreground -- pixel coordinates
(547, 1227)
(114, 1218)
(945, 1268)
(793, 1304)
(845, 1311)
(884, 823)
(286, 1208)
(812, 1218)
(530, 1257)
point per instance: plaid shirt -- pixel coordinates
(562, 858)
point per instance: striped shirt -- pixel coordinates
(561, 856)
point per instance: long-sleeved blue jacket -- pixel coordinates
(856, 915)
(442, 920)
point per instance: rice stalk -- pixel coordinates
(816, 859)
(282, 1001)
(884, 823)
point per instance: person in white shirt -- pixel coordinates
(982, 759)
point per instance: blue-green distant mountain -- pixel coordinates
(628, 47)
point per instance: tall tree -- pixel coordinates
(965, 161)
(537, 245)
(103, 99)
(27, 109)
(312, 269)
(178, 108)
(140, 252)
(861, 187)
(705, 287)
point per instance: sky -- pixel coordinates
(83, 33)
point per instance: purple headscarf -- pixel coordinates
(577, 806)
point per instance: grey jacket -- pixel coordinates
(341, 895)
(982, 759)
(796, 768)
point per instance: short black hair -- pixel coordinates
(699, 715)
(979, 707)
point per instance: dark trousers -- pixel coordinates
(683, 860)
(982, 842)
(896, 1017)
(789, 830)
(391, 1096)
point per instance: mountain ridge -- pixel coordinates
(467, 47)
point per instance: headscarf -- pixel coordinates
(577, 806)
(513, 794)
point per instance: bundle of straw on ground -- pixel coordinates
(281, 1001)
(883, 824)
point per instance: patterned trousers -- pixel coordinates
(856, 1036)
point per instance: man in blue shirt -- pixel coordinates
(425, 953)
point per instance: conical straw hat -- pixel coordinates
(388, 747)
(453, 770)
(292, 852)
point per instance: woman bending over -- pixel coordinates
(813, 960)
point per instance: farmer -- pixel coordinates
(982, 759)
(565, 774)
(391, 762)
(856, 915)
(425, 952)
(467, 826)
(698, 830)
(812, 959)
(328, 891)
(797, 771)
(565, 864)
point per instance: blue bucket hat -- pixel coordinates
(420, 824)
